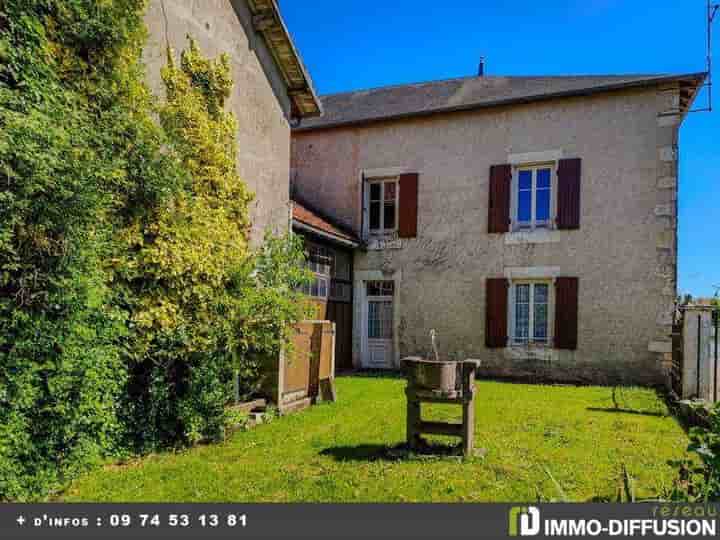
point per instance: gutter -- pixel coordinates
(268, 22)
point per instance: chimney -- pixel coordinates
(481, 67)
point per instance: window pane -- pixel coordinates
(541, 293)
(522, 294)
(525, 180)
(341, 265)
(322, 288)
(390, 191)
(522, 312)
(540, 313)
(380, 288)
(374, 215)
(543, 178)
(389, 216)
(375, 192)
(373, 320)
(524, 206)
(542, 205)
(388, 288)
(540, 322)
(386, 309)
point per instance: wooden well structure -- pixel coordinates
(433, 381)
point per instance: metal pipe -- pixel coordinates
(711, 12)
(699, 343)
(711, 15)
(717, 331)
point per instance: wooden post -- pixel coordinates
(468, 391)
(413, 419)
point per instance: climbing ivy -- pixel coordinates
(197, 287)
(128, 292)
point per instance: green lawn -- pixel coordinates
(339, 452)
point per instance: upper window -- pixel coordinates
(383, 205)
(533, 195)
(530, 312)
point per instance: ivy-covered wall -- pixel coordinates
(129, 292)
(259, 100)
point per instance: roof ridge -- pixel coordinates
(470, 77)
(455, 95)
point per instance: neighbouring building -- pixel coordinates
(272, 88)
(330, 249)
(531, 221)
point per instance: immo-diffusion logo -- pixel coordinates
(528, 517)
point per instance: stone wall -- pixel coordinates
(624, 253)
(259, 98)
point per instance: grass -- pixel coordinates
(340, 452)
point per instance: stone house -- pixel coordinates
(272, 89)
(531, 221)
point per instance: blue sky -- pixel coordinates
(357, 44)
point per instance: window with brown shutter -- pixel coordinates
(566, 312)
(496, 316)
(568, 199)
(499, 202)
(407, 226)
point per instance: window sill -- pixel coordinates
(538, 236)
(534, 351)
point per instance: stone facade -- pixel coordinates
(259, 99)
(624, 253)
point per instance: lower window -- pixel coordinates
(530, 312)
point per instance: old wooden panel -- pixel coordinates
(298, 360)
(341, 314)
(310, 361)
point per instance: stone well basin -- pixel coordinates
(441, 377)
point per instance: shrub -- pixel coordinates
(203, 304)
(68, 83)
(699, 477)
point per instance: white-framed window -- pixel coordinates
(533, 197)
(530, 312)
(319, 262)
(383, 197)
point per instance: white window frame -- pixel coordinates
(512, 322)
(382, 231)
(321, 272)
(514, 197)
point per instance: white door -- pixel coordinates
(379, 325)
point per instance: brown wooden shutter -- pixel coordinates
(568, 208)
(566, 313)
(496, 316)
(364, 210)
(499, 203)
(407, 225)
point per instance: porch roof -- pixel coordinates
(305, 219)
